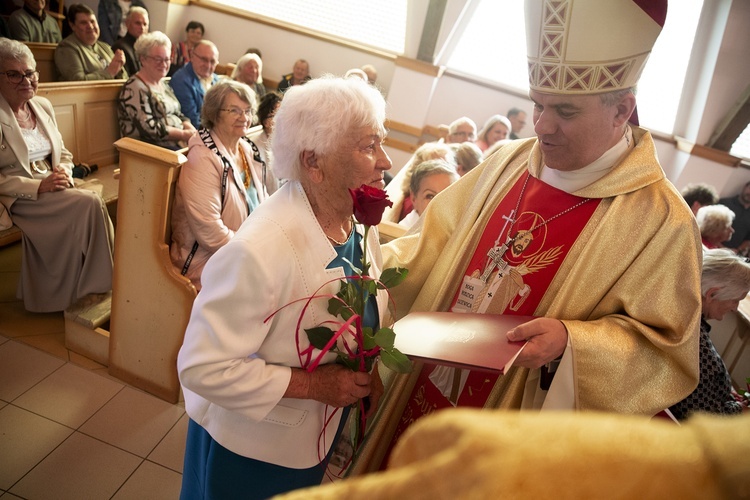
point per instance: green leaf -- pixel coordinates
(335, 306)
(368, 340)
(352, 364)
(319, 336)
(385, 338)
(393, 276)
(396, 361)
(371, 287)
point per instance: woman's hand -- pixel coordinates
(332, 384)
(58, 180)
(337, 385)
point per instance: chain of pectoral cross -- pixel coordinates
(496, 256)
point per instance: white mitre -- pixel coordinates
(590, 46)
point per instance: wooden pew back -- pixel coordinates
(151, 301)
(44, 54)
(86, 115)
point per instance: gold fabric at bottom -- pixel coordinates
(480, 454)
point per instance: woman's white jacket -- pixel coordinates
(234, 365)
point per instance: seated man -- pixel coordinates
(299, 75)
(191, 82)
(462, 130)
(137, 25)
(111, 14)
(32, 24)
(82, 56)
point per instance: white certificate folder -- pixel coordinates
(462, 340)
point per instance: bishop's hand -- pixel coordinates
(546, 340)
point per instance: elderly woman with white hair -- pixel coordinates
(260, 424)
(249, 71)
(725, 281)
(222, 181)
(496, 128)
(148, 109)
(715, 223)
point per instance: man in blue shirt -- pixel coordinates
(191, 82)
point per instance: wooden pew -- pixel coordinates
(44, 54)
(151, 301)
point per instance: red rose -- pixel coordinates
(369, 204)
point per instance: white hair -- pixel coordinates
(315, 116)
(727, 271)
(246, 58)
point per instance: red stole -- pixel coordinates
(521, 249)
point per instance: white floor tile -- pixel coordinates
(70, 395)
(25, 440)
(134, 421)
(22, 367)
(171, 451)
(80, 468)
(151, 481)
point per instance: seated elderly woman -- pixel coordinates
(148, 109)
(725, 281)
(715, 223)
(221, 183)
(67, 233)
(250, 401)
(249, 71)
(468, 156)
(496, 128)
(427, 180)
(398, 189)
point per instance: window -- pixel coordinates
(493, 46)
(741, 147)
(381, 25)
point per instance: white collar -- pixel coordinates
(573, 180)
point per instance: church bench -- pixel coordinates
(151, 300)
(44, 55)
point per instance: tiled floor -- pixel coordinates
(67, 429)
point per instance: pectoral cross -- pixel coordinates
(495, 254)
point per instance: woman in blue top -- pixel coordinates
(258, 420)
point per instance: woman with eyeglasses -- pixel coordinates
(67, 234)
(148, 109)
(221, 183)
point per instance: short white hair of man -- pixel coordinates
(316, 116)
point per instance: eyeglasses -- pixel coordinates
(467, 135)
(16, 77)
(238, 113)
(159, 60)
(212, 62)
